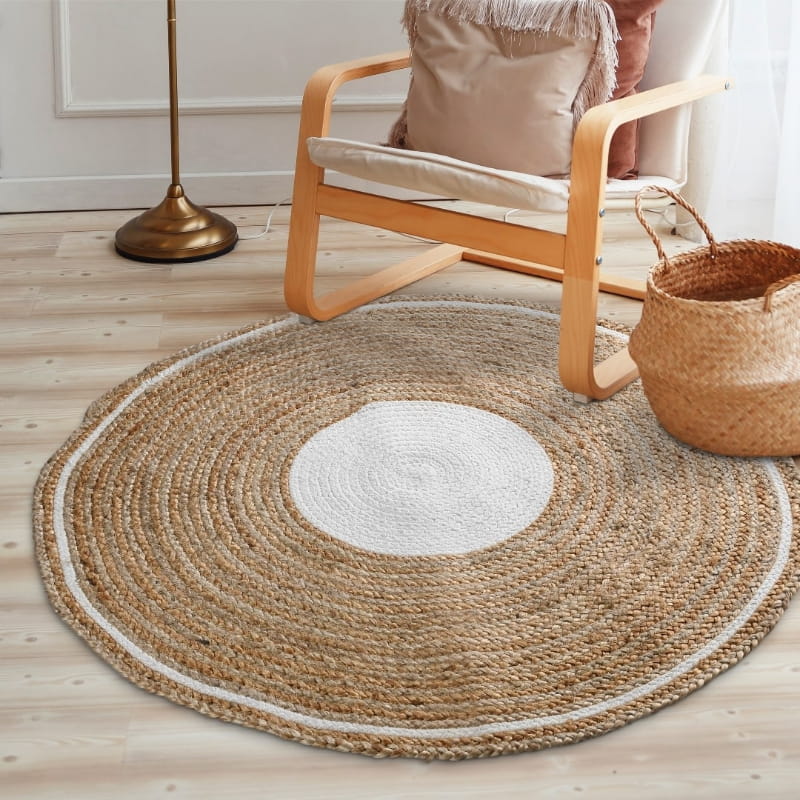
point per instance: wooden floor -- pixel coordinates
(76, 319)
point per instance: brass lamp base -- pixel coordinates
(176, 230)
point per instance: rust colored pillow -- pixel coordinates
(635, 20)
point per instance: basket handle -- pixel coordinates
(712, 242)
(774, 287)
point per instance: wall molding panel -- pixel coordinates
(68, 106)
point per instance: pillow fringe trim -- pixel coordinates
(582, 19)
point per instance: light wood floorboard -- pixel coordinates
(75, 320)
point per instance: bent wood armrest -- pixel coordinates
(609, 116)
(323, 84)
(590, 159)
(593, 135)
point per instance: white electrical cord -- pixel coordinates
(268, 223)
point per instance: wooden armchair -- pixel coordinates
(684, 36)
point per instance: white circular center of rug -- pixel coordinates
(421, 478)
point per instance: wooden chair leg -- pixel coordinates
(381, 283)
(577, 368)
(301, 260)
(301, 252)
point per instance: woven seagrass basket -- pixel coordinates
(718, 345)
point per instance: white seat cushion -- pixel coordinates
(446, 177)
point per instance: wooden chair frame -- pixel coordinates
(572, 258)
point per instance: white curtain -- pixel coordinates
(754, 189)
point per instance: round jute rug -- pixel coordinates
(396, 534)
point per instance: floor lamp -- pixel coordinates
(176, 229)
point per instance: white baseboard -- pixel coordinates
(140, 191)
(90, 193)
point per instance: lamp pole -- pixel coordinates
(176, 229)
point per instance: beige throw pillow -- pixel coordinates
(503, 83)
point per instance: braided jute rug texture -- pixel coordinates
(396, 534)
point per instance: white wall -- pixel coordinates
(83, 95)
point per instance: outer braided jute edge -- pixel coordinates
(739, 645)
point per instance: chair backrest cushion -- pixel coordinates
(503, 84)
